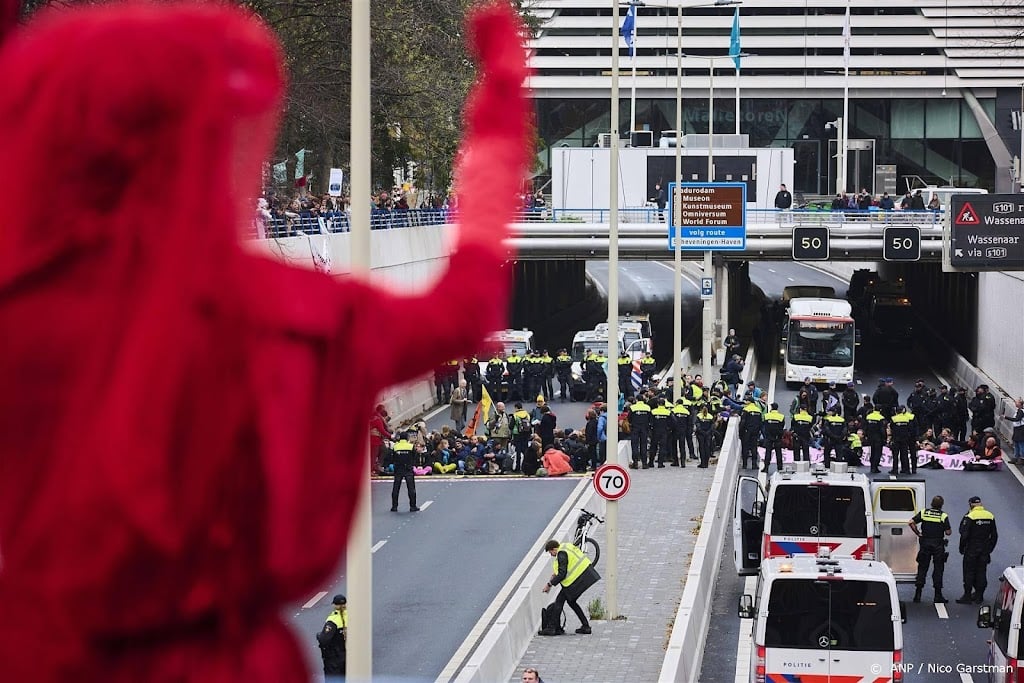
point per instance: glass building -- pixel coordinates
(934, 87)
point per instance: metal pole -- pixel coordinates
(359, 559)
(632, 60)
(612, 371)
(737, 100)
(709, 305)
(1020, 163)
(677, 285)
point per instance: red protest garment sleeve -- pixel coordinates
(183, 423)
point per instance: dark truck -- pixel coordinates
(885, 314)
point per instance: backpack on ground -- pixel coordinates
(551, 622)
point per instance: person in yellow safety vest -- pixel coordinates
(514, 364)
(625, 371)
(774, 425)
(705, 427)
(403, 471)
(932, 542)
(548, 363)
(660, 420)
(639, 428)
(833, 432)
(563, 370)
(874, 433)
(978, 538)
(855, 450)
(574, 572)
(331, 639)
(647, 367)
(801, 426)
(681, 431)
(493, 375)
(696, 389)
(904, 441)
(750, 432)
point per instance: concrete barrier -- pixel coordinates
(685, 653)
(495, 646)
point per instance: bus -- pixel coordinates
(817, 341)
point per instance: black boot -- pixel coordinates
(979, 598)
(964, 599)
(917, 594)
(939, 597)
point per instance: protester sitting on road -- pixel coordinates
(444, 461)
(990, 459)
(556, 462)
(532, 458)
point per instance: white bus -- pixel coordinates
(818, 340)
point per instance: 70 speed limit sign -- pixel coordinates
(611, 482)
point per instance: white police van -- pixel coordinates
(805, 510)
(510, 342)
(825, 618)
(1003, 616)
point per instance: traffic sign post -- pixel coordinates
(901, 243)
(611, 481)
(707, 288)
(810, 243)
(707, 216)
(984, 232)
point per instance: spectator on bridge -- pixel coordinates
(784, 202)
(917, 201)
(907, 203)
(863, 199)
(839, 202)
(933, 203)
(886, 203)
(660, 198)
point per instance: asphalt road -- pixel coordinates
(436, 571)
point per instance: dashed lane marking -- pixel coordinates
(378, 545)
(315, 599)
(426, 505)
(941, 609)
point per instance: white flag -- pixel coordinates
(846, 39)
(321, 257)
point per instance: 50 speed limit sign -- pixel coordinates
(611, 482)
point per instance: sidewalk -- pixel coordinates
(658, 524)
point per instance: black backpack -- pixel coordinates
(552, 623)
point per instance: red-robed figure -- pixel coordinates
(182, 424)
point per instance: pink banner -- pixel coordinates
(948, 462)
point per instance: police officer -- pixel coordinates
(548, 363)
(774, 425)
(679, 433)
(471, 373)
(904, 439)
(533, 374)
(851, 401)
(639, 424)
(931, 526)
(833, 432)
(874, 433)
(978, 537)
(493, 373)
(705, 429)
(886, 397)
(660, 419)
(750, 431)
(647, 368)
(331, 639)
(514, 364)
(801, 425)
(563, 370)
(625, 368)
(403, 470)
(574, 572)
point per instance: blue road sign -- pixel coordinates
(707, 288)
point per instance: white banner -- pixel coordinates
(337, 178)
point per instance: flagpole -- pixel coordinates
(846, 102)
(734, 52)
(632, 96)
(737, 100)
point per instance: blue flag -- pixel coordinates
(628, 29)
(734, 39)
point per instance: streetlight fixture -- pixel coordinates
(841, 143)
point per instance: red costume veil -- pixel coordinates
(183, 423)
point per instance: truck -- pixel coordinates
(1003, 616)
(884, 313)
(805, 509)
(825, 618)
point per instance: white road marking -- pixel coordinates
(426, 505)
(683, 275)
(600, 288)
(941, 609)
(966, 678)
(745, 642)
(824, 272)
(378, 545)
(315, 599)
(771, 270)
(791, 279)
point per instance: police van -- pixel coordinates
(806, 509)
(1003, 616)
(517, 342)
(825, 618)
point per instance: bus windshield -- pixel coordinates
(819, 511)
(853, 615)
(820, 342)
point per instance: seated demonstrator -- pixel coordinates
(575, 573)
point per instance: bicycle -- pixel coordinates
(582, 539)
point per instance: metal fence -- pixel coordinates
(339, 221)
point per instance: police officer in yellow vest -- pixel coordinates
(774, 425)
(978, 537)
(563, 370)
(904, 442)
(647, 367)
(854, 449)
(679, 433)
(874, 433)
(403, 471)
(331, 639)
(932, 527)
(574, 572)
(801, 425)
(549, 374)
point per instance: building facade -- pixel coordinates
(934, 87)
